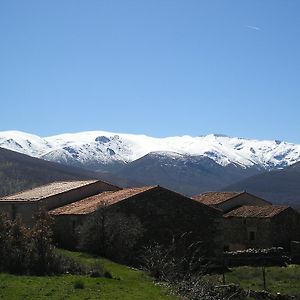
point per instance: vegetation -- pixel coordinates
(31, 251)
(111, 234)
(180, 260)
(126, 284)
(285, 280)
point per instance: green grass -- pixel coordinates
(285, 280)
(126, 284)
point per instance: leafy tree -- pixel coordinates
(110, 233)
(30, 251)
(41, 245)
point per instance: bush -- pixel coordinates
(42, 255)
(19, 241)
(78, 284)
(30, 251)
(97, 270)
(5, 240)
(177, 261)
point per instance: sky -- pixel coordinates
(159, 67)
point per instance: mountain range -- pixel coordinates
(186, 164)
(101, 150)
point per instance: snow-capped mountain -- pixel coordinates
(106, 150)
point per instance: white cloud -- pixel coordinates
(253, 27)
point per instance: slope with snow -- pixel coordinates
(97, 149)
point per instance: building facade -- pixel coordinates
(261, 227)
(163, 214)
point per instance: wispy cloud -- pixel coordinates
(253, 27)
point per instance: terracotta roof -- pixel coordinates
(268, 211)
(213, 198)
(90, 204)
(48, 190)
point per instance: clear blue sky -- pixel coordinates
(159, 67)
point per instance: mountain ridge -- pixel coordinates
(108, 151)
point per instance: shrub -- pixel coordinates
(177, 261)
(5, 247)
(97, 270)
(19, 244)
(30, 251)
(42, 256)
(78, 284)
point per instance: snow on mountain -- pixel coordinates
(104, 148)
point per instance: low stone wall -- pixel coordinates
(295, 252)
(275, 256)
(235, 292)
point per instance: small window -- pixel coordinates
(251, 236)
(73, 225)
(13, 211)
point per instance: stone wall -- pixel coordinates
(286, 228)
(295, 252)
(275, 256)
(238, 233)
(277, 231)
(25, 210)
(165, 214)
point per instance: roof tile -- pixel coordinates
(268, 211)
(47, 190)
(90, 204)
(213, 198)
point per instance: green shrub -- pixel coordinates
(31, 251)
(78, 284)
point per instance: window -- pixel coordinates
(251, 235)
(13, 211)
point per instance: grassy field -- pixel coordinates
(285, 280)
(132, 284)
(126, 284)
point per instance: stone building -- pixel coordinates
(162, 213)
(227, 201)
(261, 227)
(50, 196)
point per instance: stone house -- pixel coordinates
(50, 196)
(261, 227)
(162, 213)
(227, 201)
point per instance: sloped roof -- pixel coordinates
(213, 198)
(90, 204)
(47, 190)
(268, 211)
